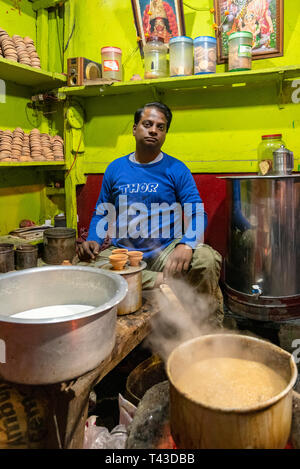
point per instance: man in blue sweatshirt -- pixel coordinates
(149, 202)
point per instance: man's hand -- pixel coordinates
(88, 250)
(179, 261)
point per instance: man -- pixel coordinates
(140, 208)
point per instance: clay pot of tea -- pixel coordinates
(120, 251)
(118, 261)
(135, 258)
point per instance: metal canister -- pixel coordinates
(133, 275)
(26, 256)
(59, 245)
(283, 161)
(7, 257)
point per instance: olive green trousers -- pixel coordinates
(203, 274)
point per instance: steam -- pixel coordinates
(183, 315)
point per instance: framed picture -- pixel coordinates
(162, 18)
(263, 18)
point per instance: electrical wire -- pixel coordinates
(75, 157)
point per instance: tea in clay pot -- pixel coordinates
(135, 258)
(118, 261)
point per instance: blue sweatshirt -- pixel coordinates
(146, 206)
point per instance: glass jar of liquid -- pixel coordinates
(156, 64)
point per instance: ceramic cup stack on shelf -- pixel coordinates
(19, 49)
(17, 146)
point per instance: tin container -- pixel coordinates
(59, 245)
(7, 257)
(26, 256)
(133, 276)
(283, 161)
(181, 56)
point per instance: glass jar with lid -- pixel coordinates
(240, 51)
(181, 56)
(156, 63)
(268, 144)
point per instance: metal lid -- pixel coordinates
(240, 34)
(111, 49)
(282, 151)
(60, 233)
(271, 136)
(200, 39)
(186, 39)
(155, 38)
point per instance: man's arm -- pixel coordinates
(195, 224)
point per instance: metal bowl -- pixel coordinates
(52, 350)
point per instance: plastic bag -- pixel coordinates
(100, 438)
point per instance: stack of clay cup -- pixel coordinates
(19, 49)
(120, 257)
(8, 47)
(17, 146)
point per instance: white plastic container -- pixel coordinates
(205, 55)
(111, 63)
(181, 56)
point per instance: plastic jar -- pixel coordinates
(268, 144)
(156, 64)
(111, 58)
(181, 56)
(205, 55)
(240, 51)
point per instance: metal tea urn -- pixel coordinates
(283, 161)
(262, 267)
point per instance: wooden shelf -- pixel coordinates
(29, 164)
(29, 76)
(184, 83)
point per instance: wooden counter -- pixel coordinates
(67, 403)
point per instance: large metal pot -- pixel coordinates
(43, 351)
(262, 270)
(263, 426)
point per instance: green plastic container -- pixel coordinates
(240, 51)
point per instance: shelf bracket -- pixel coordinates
(157, 94)
(279, 83)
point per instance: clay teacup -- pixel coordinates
(118, 261)
(135, 258)
(119, 251)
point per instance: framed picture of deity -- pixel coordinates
(263, 18)
(163, 18)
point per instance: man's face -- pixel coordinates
(151, 130)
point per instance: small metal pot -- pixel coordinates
(133, 276)
(7, 257)
(59, 245)
(26, 256)
(53, 350)
(283, 161)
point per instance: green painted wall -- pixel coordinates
(23, 190)
(212, 131)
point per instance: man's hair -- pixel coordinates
(160, 106)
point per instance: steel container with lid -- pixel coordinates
(283, 161)
(181, 56)
(156, 63)
(59, 245)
